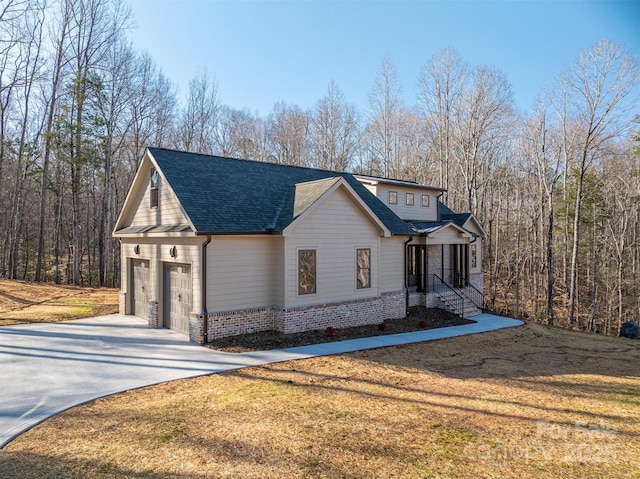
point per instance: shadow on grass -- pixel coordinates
(424, 397)
(518, 353)
(19, 465)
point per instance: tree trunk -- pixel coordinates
(550, 276)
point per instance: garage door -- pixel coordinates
(140, 281)
(177, 296)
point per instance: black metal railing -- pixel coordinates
(475, 295)
(470, 291)
(452, 298)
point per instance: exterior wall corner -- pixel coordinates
(196, 328)
(122, 302)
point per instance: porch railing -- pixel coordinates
(476, 296)
(452, 298)
(470, 291)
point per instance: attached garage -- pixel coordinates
(141, 287)
(178, 296)
(219, 246)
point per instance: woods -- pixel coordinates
(557, 188)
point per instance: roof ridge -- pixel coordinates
(247, 160)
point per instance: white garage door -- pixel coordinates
(140, 281)
(177, 296)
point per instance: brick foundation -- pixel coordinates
(306, 318)
(232, 323)
(154, 320)
(196, 328)
(417, 299)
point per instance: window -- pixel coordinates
(409, 199)
(474, 256)
(306, 271)
(363, 268)
(153, 194)
(425, 201)
(393, 197)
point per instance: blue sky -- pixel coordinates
(261, 52)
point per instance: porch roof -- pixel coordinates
(426, 227)
(435, 231)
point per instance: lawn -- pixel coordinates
(523, 402)
(23, 302)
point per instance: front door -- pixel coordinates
(417, 267)
(460, 265)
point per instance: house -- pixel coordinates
(214, 247)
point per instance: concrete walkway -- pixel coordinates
(48, 368)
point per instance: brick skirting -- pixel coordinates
(304, 318)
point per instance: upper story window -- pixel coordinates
(363, 268)
(409, 199)
(425, 201)
(306, 271)
(393, 197)
(153, 193)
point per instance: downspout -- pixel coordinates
(406, 276)
(203, 292)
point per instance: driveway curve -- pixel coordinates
(48, 368)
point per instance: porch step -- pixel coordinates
(469, 311)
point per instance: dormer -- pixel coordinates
(409, 200)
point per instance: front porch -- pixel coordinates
(444, 266)
(457, 295)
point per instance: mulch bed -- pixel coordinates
(419, 318)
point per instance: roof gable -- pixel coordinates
(311, 195)
(225, 195)
(465, 220)
(138, 218)
(310, 192)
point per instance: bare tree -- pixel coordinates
(482, 133)
(334, 131)
(597, 87)
(59, 39)
(384, 119)
(30, 65)
(239, 133)
(441, 84)
(288, 135)
(545, 159)
(95, 25)
(199, 119)
(116, 71)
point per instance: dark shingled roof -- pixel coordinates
(226, 195)
(446, 214)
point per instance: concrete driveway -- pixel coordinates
(47, 368)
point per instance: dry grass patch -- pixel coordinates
(521, 402)
(24, 302)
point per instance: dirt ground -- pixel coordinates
(524, 402)
(24, 302)
(418, 318)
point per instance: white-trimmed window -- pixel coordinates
(363, 268)
(306, 271)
